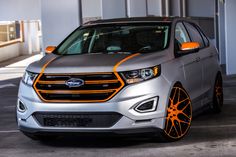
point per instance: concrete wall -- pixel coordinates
(113, 9)
(31, 44)
(59, 19)
(11, 10)
(91, 9)
(175, 8)
(136, 8)
(26, 10)
(230, 25)
(200, 8)
(10, 51)
(154, 7)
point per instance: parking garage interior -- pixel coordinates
(27, 27)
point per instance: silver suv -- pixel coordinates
(131, 75)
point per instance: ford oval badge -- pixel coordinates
(75, 82)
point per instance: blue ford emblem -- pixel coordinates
(75, 82)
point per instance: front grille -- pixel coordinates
(98, 87)
(76, 120)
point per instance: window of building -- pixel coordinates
(11, 32)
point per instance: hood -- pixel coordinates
(88, 63)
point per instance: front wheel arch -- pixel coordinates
(178, 110)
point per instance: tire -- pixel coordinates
(37, 137)
(218, 96)
(178, 117)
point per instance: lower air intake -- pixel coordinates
(76, 120)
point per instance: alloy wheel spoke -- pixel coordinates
(176, 131)
(181, 121)
(185, 115)
(167, 123)
(180, 127)
(185, 106)
(182, 101)
(170, 129)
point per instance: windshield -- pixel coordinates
(116, 38)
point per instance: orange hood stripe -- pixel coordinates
(124, 60)
(41, 73)
(116, 73)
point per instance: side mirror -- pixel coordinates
(50, 49)
(189, 46)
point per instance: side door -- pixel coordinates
(190, 64)
(208, 57)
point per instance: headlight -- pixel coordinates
(140, 75)
(29, 78)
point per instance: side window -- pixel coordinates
(205, 39)
(194, 34)
(181, 36)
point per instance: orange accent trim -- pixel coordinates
(41, 73)
(50, 49)
(101, 81)
(76, 91)
(86, 82)
(156, 70)
(94, 73)
(86, 101)
(118, 76)
(189, 46)
(51, 82)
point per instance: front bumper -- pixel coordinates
(124, 103)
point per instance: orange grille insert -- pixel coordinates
(98, 87)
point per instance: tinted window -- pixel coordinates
(206, 41)
(194, 34)
(181, 36)
(117, 38)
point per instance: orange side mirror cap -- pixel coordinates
(50, 49)
(189, 46)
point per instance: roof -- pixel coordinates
(133, 19)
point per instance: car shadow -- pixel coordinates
(207, 127)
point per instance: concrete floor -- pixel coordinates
(211, 135)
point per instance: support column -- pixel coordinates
(183, 4)
(30, 49)
(230, 32)
(175, 7)
(221, 25)
(80, 13)
(166, 7)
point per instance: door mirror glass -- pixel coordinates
(50, 49)
(189, 46)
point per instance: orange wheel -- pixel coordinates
(179, 114)
(218, 96)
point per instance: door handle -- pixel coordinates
(198, 59)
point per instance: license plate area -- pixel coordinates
(68, 122)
